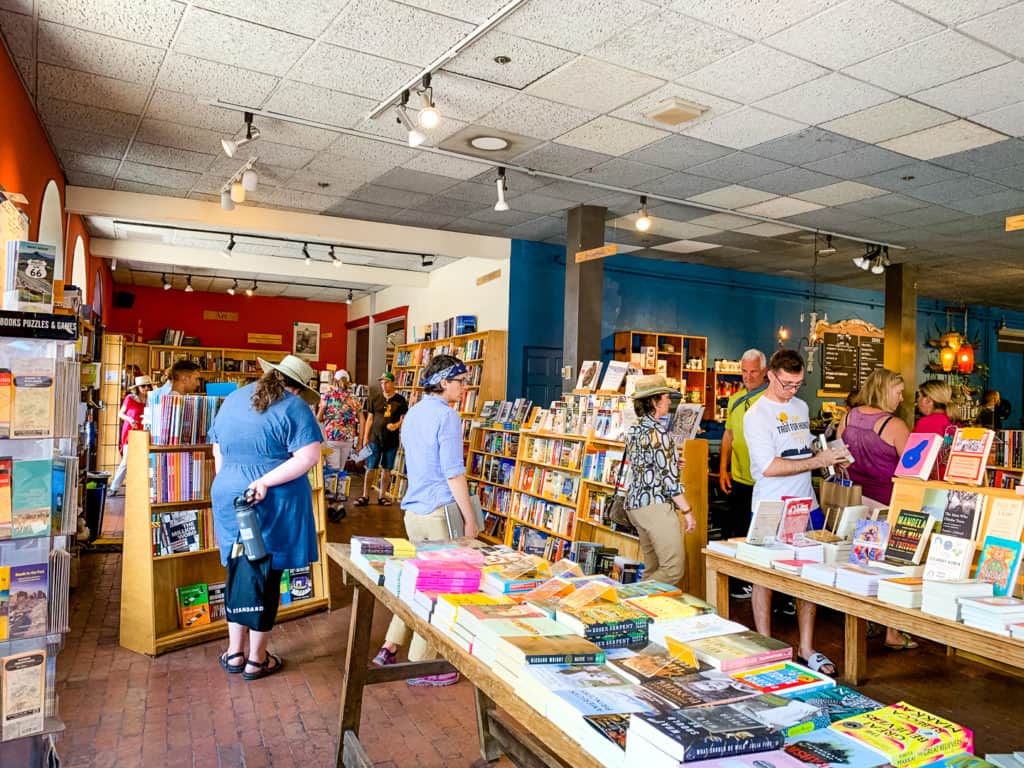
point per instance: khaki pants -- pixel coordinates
(661, 541)
(431, 527)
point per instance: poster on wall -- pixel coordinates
(306, 340)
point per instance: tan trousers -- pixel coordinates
(661, 541)
(432, 527)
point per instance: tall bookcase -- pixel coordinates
(149, 613)
(490, 470)
(483, 352)
(683, 358)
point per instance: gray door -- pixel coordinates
(542, 374)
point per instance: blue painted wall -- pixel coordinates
(735, 310)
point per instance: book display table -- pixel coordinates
(517, 729)
(858, 610)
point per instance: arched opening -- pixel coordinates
(97, 295)
(78, 266)
(51, 225)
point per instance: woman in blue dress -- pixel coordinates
(266, 438)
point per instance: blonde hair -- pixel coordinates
(875, 392)
(938, 391)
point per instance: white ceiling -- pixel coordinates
(897, 121)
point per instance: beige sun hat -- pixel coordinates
(142, 381)
(293, 367)
(654, 384)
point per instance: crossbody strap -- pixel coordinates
(748, 395)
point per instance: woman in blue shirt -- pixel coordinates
(266, 438)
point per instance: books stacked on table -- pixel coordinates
(764, 554)
(905, 591)
(371, 554)
(862, 579)
(820, 573)
(686, 630)
(537, 683)
(437, 576)
(942, 598)
(492, 631)
(794, 567)
(725, 547)
(740, 650)
(665, 608)
(994, 614)
(907, 736)
(609, 624)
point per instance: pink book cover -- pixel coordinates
(757, 660)
(796, 513)
(919, 456)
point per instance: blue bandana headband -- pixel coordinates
(446, 373)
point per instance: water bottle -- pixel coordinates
(249, 526)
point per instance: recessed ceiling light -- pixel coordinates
(502, 60)
(489, 143)
(675, 111)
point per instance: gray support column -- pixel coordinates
(901, 328)
(583, 285)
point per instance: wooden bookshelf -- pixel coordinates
(684, 358)
(483, 352)
(214, 362)
(149, 613)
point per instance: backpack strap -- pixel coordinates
(752, 393)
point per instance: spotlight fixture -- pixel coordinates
(113, 265)
(249, 180)
(828, 250)
(416, 137)
(643, 220)
(188, 284)
(233, 288)
(426, 260)
(251, 291)
(501, 205)
(429, 117)
(226, 253)
(349, 299)
(237, 192)
(305, 253)
(166, 282)
(226, 202)
(881, 260)
(335, 261)
(251, 134)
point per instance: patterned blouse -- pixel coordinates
(341, 415)
(653, 465)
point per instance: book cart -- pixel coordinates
(39, 397)
(149, 604)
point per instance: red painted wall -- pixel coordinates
(156, 309)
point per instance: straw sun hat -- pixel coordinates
(293, 367)
(655, 384)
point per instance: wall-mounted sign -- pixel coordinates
(38, 325)
(596, 253)
(852, 350)
(483, 279)
(231, 317)
(327, 335)
(1013, 223)
(268, 339)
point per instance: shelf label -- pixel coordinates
(38, 325)
(209, 314)
(264, 338)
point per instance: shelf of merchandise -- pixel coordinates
(483, 352)
(1006, 461)
(721, 386)
(149, 613)
(674, 351)
(399, 479)
(483, 436)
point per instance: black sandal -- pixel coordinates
(264, 666)
(362, 501)
(232, 669)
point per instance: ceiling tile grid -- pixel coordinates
(372, 77)
(576, 25)
(611, 135)
(151, 23)
(752, 73)
(593, 85)
(92, 90)
(529, 60)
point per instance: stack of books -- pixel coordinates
(695, 628)
(740, 650)
(609, 624)
(942, 598)
(905, 591)
(436, 576)
(862, 579)
(764, 554)
(907, 736)
(819, 573)
(994, 614)
(372, 553)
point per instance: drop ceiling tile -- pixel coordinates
(780, 207)
(839, 193)
(329, 167)
(530, 60)
(1009, 177)
(610, 135)
(296, 200)
(508, 218)
(623, 173)
(723, 221)
(476, 11)
(1010, 201)
(571, 191)
(84, 179)
(806, 146)
(98, 54)
(303, 17)
(790, 180)
(686, 246)
(906, 178)
(187, 74)
(330, 66)
(538, 229)
(957, 189)
(824, 99)
(174, 107)
(17, 31)
(184, 137)
(670, 228)
(888, 121)
(923, 217)
(151, 23)
(474, 227)
(593, 85)
(672, 211)
(466, 99)
(1000, 29)
(852, 32)
(883, 205)
(470, 191)
(681, 185)
(415, 181)
(743, 128)
(375, 154)
(451, 206)
(615, 203)
(282, 154)
(927, 63)
(386, 28)
(99, 166)
(319, 104)
(24, 7)
(560, 158)
(357, 209)
(87, 143)
(530, 116)
(944, 139)
(752, 74)
(168, 157)
(1008, 120)
(125, 185)
(387, 125)
(986, 91)
(427, 219)
(577, 25)
(294, 135)
(57, 112)
(859, 162)
(534, 202)
(518, 183)
(678, 152)
(443, 165)
(332, 186)
(956, 12)
(739, 166)
(638, 109)
(754, 19)
(733, 197)
(152, 174)
(668, 45)
(27, 69)
(767, 229)
(93, 90)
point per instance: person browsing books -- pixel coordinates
(734, 477)
(933, 398)
(654, 491)
(385, 411)
(183, 379)
(132, 409)
(343, 419)
(778, 432)
(432, 438)
(265, 438)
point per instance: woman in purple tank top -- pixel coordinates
(876, 437)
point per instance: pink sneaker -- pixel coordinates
(435, 681)
(384, 657)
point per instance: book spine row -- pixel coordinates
(555, 518)
(175, 477)
(549, 483)
(559, 453)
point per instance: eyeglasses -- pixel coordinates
(461, 380)
(789, 386)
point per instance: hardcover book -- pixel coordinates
(785, 678)
(905, 735)
(962, 513)
(968, 455)
(828, 749)
(556, 649)
(648, 666)
(919, 456)
(999, 564)
(949, 558)
(704, 733)
(908, 536)
(740, 650)
(700, 689)
(836, 703)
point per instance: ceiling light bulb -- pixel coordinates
(429, 117)
(188, 285)
(878, 267)
(113, 265)
(237, 192)
(167, 284)
(233, 288)
(229, 147)
(643, 220)
(249, 180)
(860, 262)
(415, 137)
(226, 202)
(828, 250)
(226, 253)
(251, 291)
(349, 299)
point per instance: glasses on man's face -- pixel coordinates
(789, 386)
(460, 380)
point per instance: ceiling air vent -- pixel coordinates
(675, 111)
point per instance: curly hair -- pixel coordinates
(645, 405)
(270, 388)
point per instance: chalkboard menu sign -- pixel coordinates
(847, 361)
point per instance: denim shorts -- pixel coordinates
(381, 457)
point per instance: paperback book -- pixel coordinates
(908, 537)
(962, 514)
(999, 564)
(919, 454)
(740, 650)
(907, 736)
(949, 558)
(23, 693)
(193, 605)
(968, 455)
(28, 601)
(869, 541)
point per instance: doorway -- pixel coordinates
(362, 367)
(542, 374)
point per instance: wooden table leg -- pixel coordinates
(855, 652)
(354, 681)
(490, 749)
(718, 591)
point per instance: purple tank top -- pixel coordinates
(875, 459)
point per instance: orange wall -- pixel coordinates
(155, 309)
